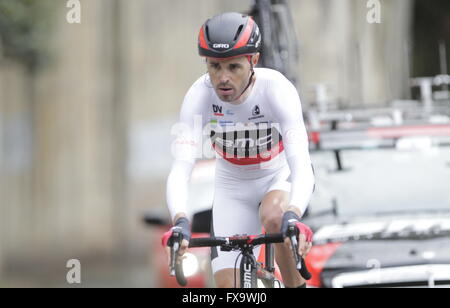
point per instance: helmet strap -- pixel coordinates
(251, 77)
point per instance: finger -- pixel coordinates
(181, 256)
(302, 245)
(183, 248)
(184, 244)
(180, 259)
(167, 250)
(308, 248)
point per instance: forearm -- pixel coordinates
(288, 112)
(295, 209)
(302, 179)
(187, 145)
(179, 215)
(177, 189)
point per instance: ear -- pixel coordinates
(255, 58)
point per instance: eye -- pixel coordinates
(234, 66)
(214, 65)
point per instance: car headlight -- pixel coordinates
(190, 264)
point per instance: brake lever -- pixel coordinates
(300, 262)
(294, 246)
(174, 252)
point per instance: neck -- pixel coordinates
(246, 93)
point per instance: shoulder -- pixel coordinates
(196, 100)
(271, 77)
(198, 93)
(202, 86)
(276, 86)
(281, 95)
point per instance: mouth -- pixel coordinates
(225, 91)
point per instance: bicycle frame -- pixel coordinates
(248, 269)
(251, 270)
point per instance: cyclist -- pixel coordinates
(264, 177)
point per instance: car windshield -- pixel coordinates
(382, 181)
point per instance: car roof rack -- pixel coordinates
(330, 128)
(409, 136)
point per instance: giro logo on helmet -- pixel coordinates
(221, 46)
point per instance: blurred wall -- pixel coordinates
(67, 131)
(123, 64)
(361, 63)
(60, 202)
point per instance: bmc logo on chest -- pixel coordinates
(217, 109)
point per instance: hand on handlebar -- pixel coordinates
(299, 236)
(301, 231)
(180, 250)
(176, 242)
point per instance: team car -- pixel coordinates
(381, 210)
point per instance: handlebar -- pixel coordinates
(236, 243)
(206, 242)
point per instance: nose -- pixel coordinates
(224, 77)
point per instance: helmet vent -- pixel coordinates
(207, 33)
(239, 30)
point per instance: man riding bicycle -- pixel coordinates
(264, 177)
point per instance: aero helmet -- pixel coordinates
(229, 35)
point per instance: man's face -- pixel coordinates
(229, 76)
